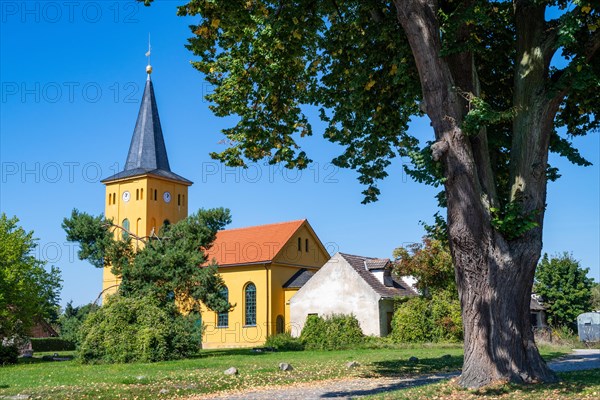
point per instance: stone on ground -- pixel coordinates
(231, 371)
(285, 367)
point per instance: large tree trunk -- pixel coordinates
(494, 281)
(494, 275)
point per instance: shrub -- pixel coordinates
(331, 333)
(8, 355)
(284, 342)
(137, 330)
(412, 321)
(71, 319)
(446, 317)
(420, 319)
(51, 344)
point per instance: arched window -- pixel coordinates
(126, 228)
(178, 199)
(250, 305)
(109, 199)
(155, 194)
(142, 194)
(137, 194)
(279, 324)
(114, 198)
(299, 244)
(223, 317)
(306, 245)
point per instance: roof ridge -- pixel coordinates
(264, 225)
(357, 256)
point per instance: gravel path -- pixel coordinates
(357, 387)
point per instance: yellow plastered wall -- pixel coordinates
(236, 333)
(146, 209)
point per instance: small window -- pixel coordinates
(178, 199)
(299, 244)
(114, 198)
(137, 194)
(155, 194)
(109, 199)
(250, 304)
(306, 245)
(125, 228)
(142, 194)
(223, 317)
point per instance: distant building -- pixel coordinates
(349, 284)
(537, 312)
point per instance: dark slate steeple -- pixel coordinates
(147, 149)
(147, 152)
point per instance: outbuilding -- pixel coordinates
(349, 284)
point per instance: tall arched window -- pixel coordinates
(223, 317)
(126, 228)
(299, 244)
(250, 304)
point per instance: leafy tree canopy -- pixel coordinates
(267, 59)
(71, 319)
(564, 287)
(596, 297)
(429, 262)
(166, 267)
(27, 289)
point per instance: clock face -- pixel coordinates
(167, 197)
(126, 196)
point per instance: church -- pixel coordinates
(261, 266)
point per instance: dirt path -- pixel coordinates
(358, 387)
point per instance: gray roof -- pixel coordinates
(298, 279)
(399, 288)
(147, 151)
(377, 263)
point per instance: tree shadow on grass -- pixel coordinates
(571, 383)
(391, 368)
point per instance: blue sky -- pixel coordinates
(72, 76)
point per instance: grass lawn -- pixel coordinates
(204, 373)
(574, 385)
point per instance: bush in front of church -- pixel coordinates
(333, 332)
(137, 330)
(284, 342)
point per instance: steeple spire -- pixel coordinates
(147, 152)
(147, 149)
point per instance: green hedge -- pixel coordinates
(333, 332)
(51, 344)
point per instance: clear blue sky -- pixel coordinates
(72, 76)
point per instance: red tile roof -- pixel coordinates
(253, 244)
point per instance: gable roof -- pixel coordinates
(147, 152)
(360, 265)
(298, 279)
(253, 244)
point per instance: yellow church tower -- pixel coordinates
(146, 194)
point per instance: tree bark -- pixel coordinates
(494, 276)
